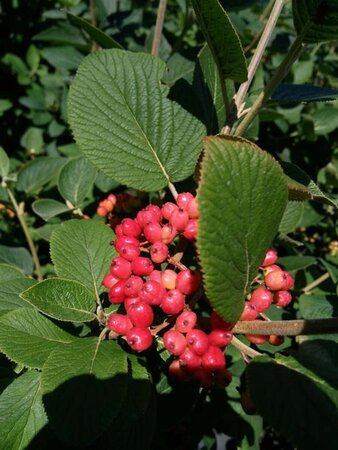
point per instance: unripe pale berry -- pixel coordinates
(220, 338)
(152, 293)
(190, 231)
(276, 280)
(261, 298)
(270, 257)
(190, 360)
(198, 341)
(133, 286)
(173, 302)
(249, 312)
(174, 341)
(120, 268)
(257, 339)
(213, 359)
(101, 211)
(183, 199)
(179, 219)
(159, 252)
(141, 314)
(109, 281)
(186, 321)
(168, 279)
(167, 209)
(282, 298)
(119, 323)
(139, 339)
(188, 281)
(152, 232)
(130, 228)
(142, 266)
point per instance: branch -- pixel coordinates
(316, 282)
(245, 349)
(92, 10)
(158, 27)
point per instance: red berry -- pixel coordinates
(192, 209)
(131, 228)
(133, 286)
(139, 339)
(168, 279)
(183, 199)
(250, 312)
(168, 233)
(213, 359)
(282, 298)
(159, 252)
(190, 231)
(271, 268)
(152, 232)
(179, 219)
(142, 266)
(120, 268)
(116, 293)
(220, 338)
(290, 281)
(121, 241)
(186, 321)
(270, 257)
(152, 292)
(130, 252)
(218, 323)
(174, 342)
(276, 340)
(198, 341)
(257, 339)
(188, 281)
(129, 301)
(261, 298)
(155, 276)
(141, 314)
(155, 211)
(173, 302)
(177, 372)
(109, 281)
(190, 360)
(167, 209)
(276, 280)
(119, 323)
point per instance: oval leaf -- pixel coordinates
(39, 172)
(222, 39)
(18, 257)
(9, 293)
(8, 272)
(28, 338)
(76, 179)
(242, 197)
(126, 126)
(47, 208)
(65, 300)
(84, 383)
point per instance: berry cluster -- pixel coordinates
(135, 280)
(125, 202)
(273, 289)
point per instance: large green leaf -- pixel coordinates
(318, 306)
(4, 163)
(76, 179)
(81, 250)
(242, 196)
(39, 172)
(9, 293)
(222, 39)
(316, 20)
(125, 125)
(18, 257)
(84, 386)
(295, 401)
(28, 338)
(22, 415)
(62, 299)
(291, 263)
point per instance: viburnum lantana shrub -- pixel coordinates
(169, 301)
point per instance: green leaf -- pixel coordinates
(222, 39)
(10, 289)
(293, 399)
(62, 299)
(291, 263)
(325, 120)
(8, 273)
(242, 196)
(5, 105)
(64, 34)
(304, 93)
(315, 20)
(22, 415)
(292, 217)
(39, 172)
(32, 140)
(76, 179)
(301, 187)
(28, 338)
(100, 37)
(318, 306)
(18, 257)
(84, 386)
(47, 208)
(125, 125)
(4, 163)
(81, 250)
(63, 58)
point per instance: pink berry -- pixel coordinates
(119, 323)
(186, 321)
(133, 286)
(261, 298)
(188, 281)
(179, 219)
(198, 341)
(213, 359)
(270, 257)
(130, 301)
(183, 199)
(271, 268)
(173, 302)
(191, 230)
(168, 233)
(192, 209)
(190, 360)
(250, 312)
(120, 268)
(276, 340)
(155, 211)
(116, 292)
(290, 281)
(177, 372)
(220, 338)
(152, 293)
(141, 314)
(155, 276)
(109, 281)
(142, 266)
(159, 252)
(119, 230)
(174, 342)
(257, 339)
(102, 211)
(276, 280)
(167, 209)
(139, 339)
(168, 279)
(152, 232)
(121, 241)
(130, 252)
(218, 323)
(282, 298)
(130, 228)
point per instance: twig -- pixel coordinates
(22, 220)
(316, 282)
(158, 27)
(245, 349)
(173, 191)
(92, 10)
